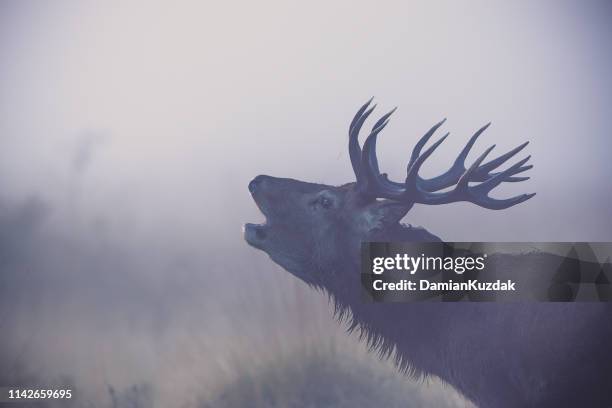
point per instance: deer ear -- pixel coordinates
(382, 214)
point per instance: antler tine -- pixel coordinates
(494, 204)
(452, 175)
(502, 176)
(483, 172)
(412, 175)
(423, 141)
(369, 173)
(463, 182)
(383, 120)
(359, 113)
(354, 128)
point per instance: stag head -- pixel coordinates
(309, 227)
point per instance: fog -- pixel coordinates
(130, 130)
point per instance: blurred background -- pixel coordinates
(130, 130)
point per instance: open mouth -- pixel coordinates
(255, 234)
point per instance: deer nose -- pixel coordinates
(254, 183)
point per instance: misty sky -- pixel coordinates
(170, 110)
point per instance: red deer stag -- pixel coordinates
(496, 354)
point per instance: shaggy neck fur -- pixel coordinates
(497, 355)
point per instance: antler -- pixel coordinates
(418, 190)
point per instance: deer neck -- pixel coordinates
(431, 339)
(420, 334)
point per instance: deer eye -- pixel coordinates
(325, 202)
